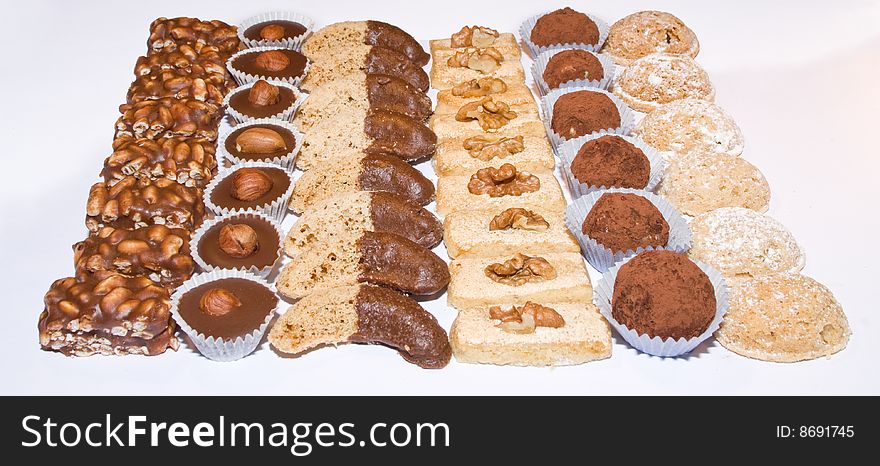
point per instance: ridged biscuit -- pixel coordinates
(783, 318)
(469, 285)
(741, 243)
(361, 92)
(347, 215)
(659, 79)
(356, 171)
(468, 233)
(453, 194)
(691, 126)
(696, 184)
(647, 32)
(517, 94)
(585, 337)
(452, 158)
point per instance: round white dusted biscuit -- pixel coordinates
(691, 126)
(646, 32)
(741, 243)
(658, 79)
(698, 183)
(783, 318)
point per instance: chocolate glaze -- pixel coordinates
(289, 143)
(394, 261)
(381, 172)
(257, 302)
(291, 29)
(222, 194)
(394, 214)
(246, 63)
(570, 65)
(625, 222)
(583, 112)
(664, 294)
(239, 101)
(396, 95)
(392, 37)
(611, 161)
(265, 255)
(381, 60)
(399, 135)
(390, 318)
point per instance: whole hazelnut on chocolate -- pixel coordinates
(272, 32)
(262, 94)
(218, 302)
(272, 60)
(250, 184)
(238, 240)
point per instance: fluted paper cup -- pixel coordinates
(569, 149)
(276, 209)
(627, 119)
(243, 78)
(293, 43)
(286, 115)
(261, 272)
(525, 31)
(540, 65)
(286, 161)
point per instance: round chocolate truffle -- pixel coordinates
(570, 65)
(583, 112)
(624, 222)
(611, 161)
(663, 294)
(565, 26)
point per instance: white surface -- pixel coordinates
(801, 80)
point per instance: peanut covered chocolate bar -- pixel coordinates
(158, 252)
(189, 161)
(136, 203)
(169, 117)
(107, 313)
(170, 33)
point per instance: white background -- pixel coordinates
(800, 78)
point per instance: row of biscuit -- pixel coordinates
(520, 287)
(658, 300)
(142, 215)
(362, 243)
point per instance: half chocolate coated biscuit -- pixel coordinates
(377, 258)
(397, 134)
(359, 93)
(347, 215)
(358, 171)
(368, 59)
(340, 36)
(363, 314)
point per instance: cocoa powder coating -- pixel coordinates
(625, 222)
(570, 65)
(611, 161)
(583, 112)
(565, 26)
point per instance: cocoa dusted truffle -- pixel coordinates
(611, 161)
(663, 294)
(571, 65)
(624, 222)
(583, 112)
(565, 26)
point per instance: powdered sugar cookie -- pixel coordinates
(783, 318)
(691, 126)
(647, 32)
(742, 243)
(698, 183)
(659, 79)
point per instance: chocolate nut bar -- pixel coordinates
(108, 314)
(169, 117)
(189, 161)
(170, 33)
(158, 252)
(136, 203)
(186, 59)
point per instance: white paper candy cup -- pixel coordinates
(548, 101)
(219, 349)
(604, 292)
(569, 149)
(243, 78)
(286, 115)
(261, 272)
(286, 161)
(540, 65)
(525, 32)
(602, 258)
(276, 210)
(293, 43)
